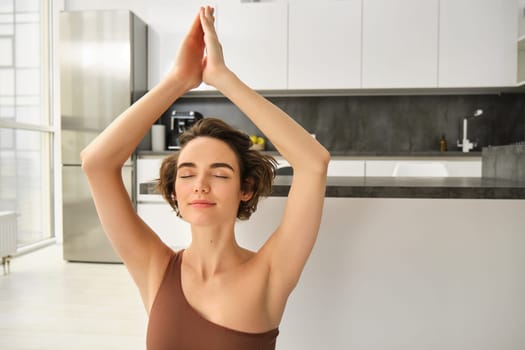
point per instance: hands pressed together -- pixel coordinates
(192, 64)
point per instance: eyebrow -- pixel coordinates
(213, 165)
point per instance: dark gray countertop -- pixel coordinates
(353, 155)
(403, 187)
(418, 154)
(413, 187)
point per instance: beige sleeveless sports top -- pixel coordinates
(175, 325)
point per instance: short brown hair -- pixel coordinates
(257, 170)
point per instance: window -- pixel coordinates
(26, 128)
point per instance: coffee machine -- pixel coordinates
(178, 123)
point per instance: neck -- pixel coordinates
(212, 250)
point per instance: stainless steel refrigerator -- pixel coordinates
(103, 65)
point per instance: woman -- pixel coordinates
(214, 294)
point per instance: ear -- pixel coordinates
(247, 189)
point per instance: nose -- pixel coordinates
(201, 187)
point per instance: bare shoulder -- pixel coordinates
(274, 298)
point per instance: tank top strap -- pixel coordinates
(173, 270)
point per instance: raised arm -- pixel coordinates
(290, 246)
(138, 246)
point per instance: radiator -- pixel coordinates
(7, 238)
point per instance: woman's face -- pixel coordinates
(207, 187)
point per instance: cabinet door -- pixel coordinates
(325, 45)
(380, 167)
(346, 168)
(432, 168)
(166, 32)
(254, 38)
(336, 167)
(477, 43)
(400, 43)
(161, 218)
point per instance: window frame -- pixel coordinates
(48, 122)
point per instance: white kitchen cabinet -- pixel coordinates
(346, 168)
(254, 37)
(324, 45)
(161, 218)
(400, 43)
(336, 167)
(477, 43)
(380, 167)
(148, 168)
(147, 171)
(452, 168)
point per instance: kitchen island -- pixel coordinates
(406, 273)
(400, 262)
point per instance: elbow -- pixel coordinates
(314, 162)
(93, 163)
(323, 160)
(318, 163)
(88, 161)
(83, 155)
(84, 160)
(325, 157)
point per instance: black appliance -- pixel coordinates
(179, 122)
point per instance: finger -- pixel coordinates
(196, 26)
(208, 13)
(207, 22)
(211, 39)
(209, 10)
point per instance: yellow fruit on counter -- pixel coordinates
(254, 139)
(261, 141)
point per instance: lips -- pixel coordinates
(201, 203)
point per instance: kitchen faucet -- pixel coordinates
(466, 145)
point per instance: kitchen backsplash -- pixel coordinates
(387, 124)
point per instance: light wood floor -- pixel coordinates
(48, 303)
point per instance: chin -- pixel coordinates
(206, 219)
